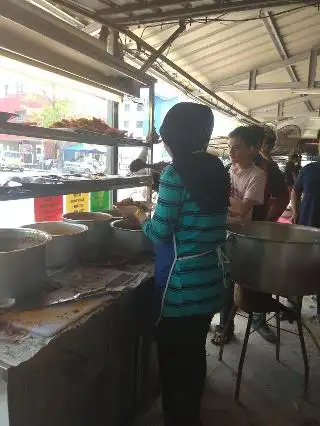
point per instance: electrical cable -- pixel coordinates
(218, 19)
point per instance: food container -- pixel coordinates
(98, 237)
(130, 241)
(67, 244)
(275, 258)
(22, 262)
(115, 213)
(128, 207)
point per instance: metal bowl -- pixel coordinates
(67, 242)
(116, 215)
(22, 262)
(275, 258)
(99, 234)
(130, 241)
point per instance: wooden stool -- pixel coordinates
(250, 301)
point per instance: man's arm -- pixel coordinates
(253, 196)
(296, 194)
(241, 207)
(278, 191)
(295, 205)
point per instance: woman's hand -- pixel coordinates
(141, 216)
(153, 137)
(294, 219)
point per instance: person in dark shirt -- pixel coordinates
(306, 209)
(275, 202)
(268, 142)
(292, 170)
(305, 204)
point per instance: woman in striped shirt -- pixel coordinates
(189, 230)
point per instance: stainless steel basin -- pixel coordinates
(22, 262)
(275, 258)
(67, 242)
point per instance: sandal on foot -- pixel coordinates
(221, 338)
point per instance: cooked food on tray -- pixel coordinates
(92, 125)
(130, 223)
(129, 202)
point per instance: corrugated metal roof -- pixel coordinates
(215, 51)
(216, 47)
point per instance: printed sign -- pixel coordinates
(100, 201)
(77, 203)
(48, 209)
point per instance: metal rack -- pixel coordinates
(79, 136)
(113, 182)
(74, 187)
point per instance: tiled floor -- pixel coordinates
(271, 393)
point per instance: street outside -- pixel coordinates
(18, 212)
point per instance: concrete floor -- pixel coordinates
(271, 392)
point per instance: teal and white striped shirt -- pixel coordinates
(196, 285)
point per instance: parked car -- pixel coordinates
(11, 160)
(85, 166)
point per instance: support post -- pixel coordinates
(252, 79)
(280, 110)
(151, 128)
(312, 68)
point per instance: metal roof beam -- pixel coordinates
(189, 11)
(224, 104)
(141, 6)
(264, 116)
(267, 86)
(267, 68)
(154, 56)
(93, 28)
(278, 43)
(55, 11)
(293, 100)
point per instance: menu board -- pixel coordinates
(48, 209)
(77, 203)
(100, 201)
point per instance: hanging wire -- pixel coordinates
(219, 19)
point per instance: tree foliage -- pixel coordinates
(55, 112)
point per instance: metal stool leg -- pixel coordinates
(230, 319)
(303, 346)
(278, 333)
(278, 337)
(242, 357)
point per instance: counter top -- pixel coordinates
(20, 345)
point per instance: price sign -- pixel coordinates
(100, 201)
(48, 209)
(77, 203)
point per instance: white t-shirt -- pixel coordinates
(247, 184)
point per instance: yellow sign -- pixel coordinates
(77, 203)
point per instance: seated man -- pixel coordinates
(276, 199)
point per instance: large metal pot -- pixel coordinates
(130, 241)
(275, 258)
(99, 234)
(67, 242)
(22, 262)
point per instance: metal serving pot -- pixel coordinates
(22, 262)
(130, 241)
(275, 258)
(67, 242)
(98, 236)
